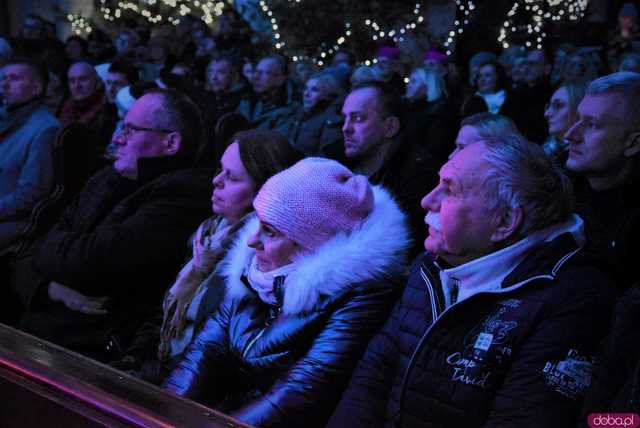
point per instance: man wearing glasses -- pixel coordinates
(90, 281)
(271, 103)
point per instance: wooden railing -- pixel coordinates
(43, 385)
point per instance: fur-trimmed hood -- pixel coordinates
(373, 250)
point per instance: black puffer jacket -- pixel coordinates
(516, 357)
(287, 365)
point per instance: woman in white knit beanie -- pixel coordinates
(308, 283)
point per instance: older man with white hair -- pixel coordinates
(501, 316)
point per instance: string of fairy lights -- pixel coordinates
(459, 23)
(398, 32)
(79, 24)
(174, 9)
(538, 12)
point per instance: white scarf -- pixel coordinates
(494, 101)
(263, 283)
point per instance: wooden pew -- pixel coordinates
(43, 385)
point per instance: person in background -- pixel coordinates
(530, 98)
(630, 62)
(376, 147)
(560, 55)
(86, 96)
(492, 92)
(27, 136)
(225, 81)
(271, 103)
(76, 48)
(604, 144)
(561, 113)
(482, 126)
(316, 128)
(365, 74)
(625, 37)
(5, 54)
(388, 61)
(430, 117)
(305, 290)
(475, 62)
(579, 69)
(247, 69)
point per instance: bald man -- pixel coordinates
(86, 100)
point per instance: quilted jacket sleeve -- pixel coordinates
(550, 373)
(312, 387)
(364, 402)
(204, 367)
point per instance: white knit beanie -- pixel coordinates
(314, 200)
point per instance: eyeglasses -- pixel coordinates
(129, 129)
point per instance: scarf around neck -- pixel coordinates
(263, 283)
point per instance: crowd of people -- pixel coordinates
(390, 245)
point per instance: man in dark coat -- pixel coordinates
(500, 318)
(532, 96)
(90, 281)
(272, 101)
(604, 151)
(375, 146)
(27, 135)
(225, 81)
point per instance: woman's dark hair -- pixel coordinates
(502, 82)
(83, 43)
(265, 153)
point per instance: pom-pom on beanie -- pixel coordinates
(314, 200)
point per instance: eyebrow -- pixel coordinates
(353, 112)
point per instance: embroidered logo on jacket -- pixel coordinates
(485, 347)
(571, 376)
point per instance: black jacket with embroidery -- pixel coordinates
(520, 356)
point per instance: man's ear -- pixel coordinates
(508, 222)
(38, 88)
(632, 145)
(391, 127)
(172, 143)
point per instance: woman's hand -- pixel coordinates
(75, 301)
(208, 250)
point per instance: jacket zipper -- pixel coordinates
(274, 314)
(246, 350)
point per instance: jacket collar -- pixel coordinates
(488, 273)
(17, 115)
(152, 168)
(542, 261)
(372, 251)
